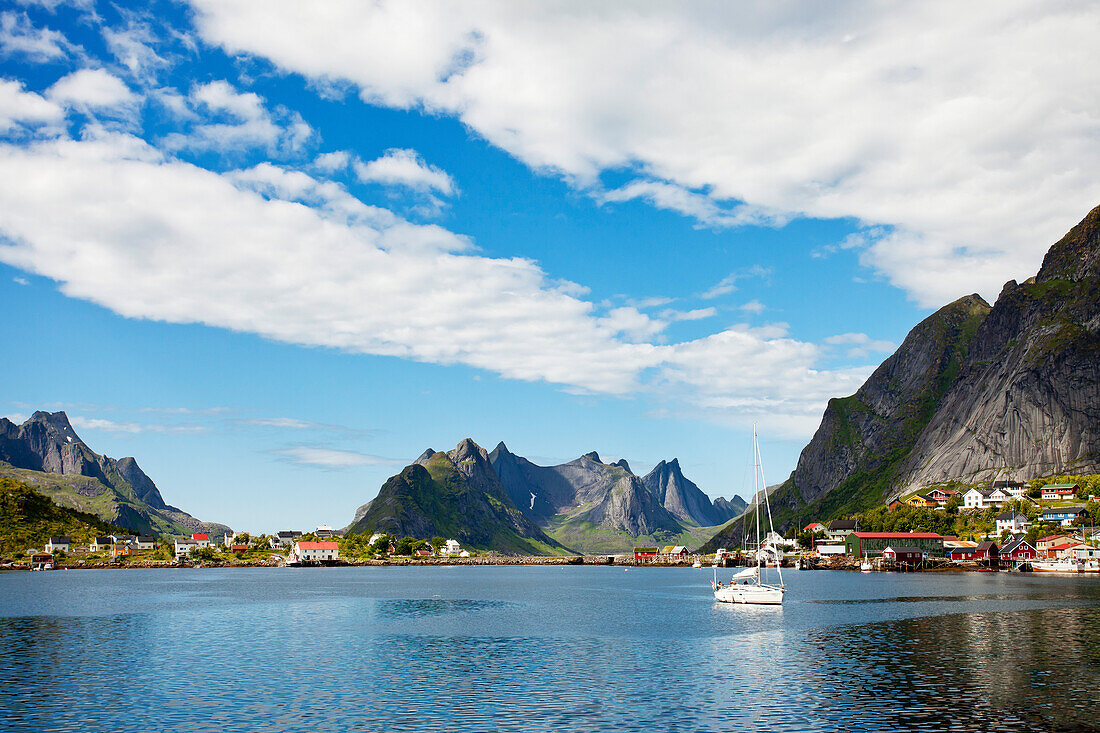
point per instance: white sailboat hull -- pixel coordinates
(764, 595)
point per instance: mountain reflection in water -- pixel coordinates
(540, 649)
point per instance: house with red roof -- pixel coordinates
(815, 527)
(308, 552)
(200, 540)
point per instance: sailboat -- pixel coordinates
(866, 566)
(751, 585)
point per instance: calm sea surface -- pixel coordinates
(541, 649)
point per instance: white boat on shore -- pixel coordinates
(1057, 566)
(750, 585)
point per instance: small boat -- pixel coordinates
(866, 566)
(1064, 565)
(697, 564)
(750, 585)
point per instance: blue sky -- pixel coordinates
(274, 253)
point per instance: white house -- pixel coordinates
(1014, 522)
(148, 542)
(450, 547)
(57, 543)
(1057, 492)
(314, 551)
(99, 544)
(185, 547)
(201, 540)
(977, 498)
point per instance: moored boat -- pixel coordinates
(1057, 566)
(750, 586)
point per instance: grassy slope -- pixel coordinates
(108, 505)
(594, 539)
(443, 496)
(29, 518)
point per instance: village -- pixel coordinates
(1007, 525)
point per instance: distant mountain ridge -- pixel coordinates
(973, 391)
(456, 495)
(46, 453)
(585, 505)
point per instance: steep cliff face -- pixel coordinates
(973, 390)
(1028, 397)
(683, 499)
(585, 490)
(456, 495)
(857, 453)
(46, 453)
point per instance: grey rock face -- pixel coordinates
(974, 390)
(48, 443)
(680, 496)
(609, 495)
(1028, 398)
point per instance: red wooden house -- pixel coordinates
(1017, 549)
(984, 551)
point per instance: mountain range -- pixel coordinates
(47, 454)
(975, 391)
(503, 501)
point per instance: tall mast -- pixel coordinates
(756, 493)
(767, 501)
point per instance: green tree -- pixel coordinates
(437, 542)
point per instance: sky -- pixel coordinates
(276, 250)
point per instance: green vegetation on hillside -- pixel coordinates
(29, 518)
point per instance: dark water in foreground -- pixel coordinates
(543, 648)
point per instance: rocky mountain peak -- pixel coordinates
(621, 463)
(592, 456)
(1076, 255)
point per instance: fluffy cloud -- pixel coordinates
(689, 203)
(19, 38)
(406, 168)
(276, 252)
(23, 108)
(91, 89)
(230, 120)
(968, 131)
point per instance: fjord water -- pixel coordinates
(542, 648)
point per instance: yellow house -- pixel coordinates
(921, 501)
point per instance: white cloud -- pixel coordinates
(135, 48)
(91, 89)
(728, 284)
(331, 457)
(969, 130)
(199, 249)
(861, 344)
(337, 160)
(702, 208)
(753, 306)
(275, 252)
(17, 417)
(229, 120)
(18, 37)
(19, 107)
(696, 314)
(133, 428)
(744, 375)
(21, 281)
(402, 167)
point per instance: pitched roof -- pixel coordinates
(905, 549)
(317, 546)
(843, 524)
(987, 545)
(1010, 516)
(59, 540)
(898, 535)
(1061, 486)
(103, 540)
(200, 537)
